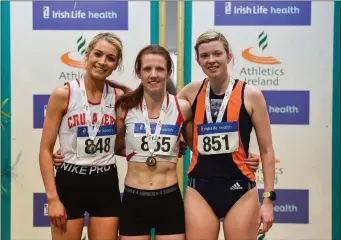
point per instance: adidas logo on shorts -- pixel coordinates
(236, 186)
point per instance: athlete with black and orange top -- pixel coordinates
(220, 184)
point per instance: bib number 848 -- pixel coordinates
(99, 145)
(215, 143)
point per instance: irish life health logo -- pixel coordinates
(264, 69)
(75, 60)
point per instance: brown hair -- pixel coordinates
(210, 36)
(115, 84)
(132, 99)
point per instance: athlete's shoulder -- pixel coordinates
(183, 103)
(193, 86)
(59, 98)
(252, 91)
(61, 92)
(190, 90)
(185, 109)
(253, 98)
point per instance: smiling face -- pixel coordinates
(213, 59)
(154, 73)
(102, 60)
(153, 65)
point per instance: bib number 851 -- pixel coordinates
(99, 145)
(214, 143)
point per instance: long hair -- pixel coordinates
(115, 84)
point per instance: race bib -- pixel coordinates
(167, 141)
(102, 145)
(218, 138)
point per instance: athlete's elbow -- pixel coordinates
(268, 156)
(44, 154)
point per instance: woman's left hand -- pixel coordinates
(266, 217)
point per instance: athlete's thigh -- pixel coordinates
(169, 215)
(201, 222)
(102, 228)
(170, 237)
(241, 222)
(74, 229)
(135, 216)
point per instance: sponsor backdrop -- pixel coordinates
(286, 50)
(48, 41)
(283, 48)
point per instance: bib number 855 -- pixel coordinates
(214, 143)
(164, 145)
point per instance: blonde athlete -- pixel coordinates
(82, 113)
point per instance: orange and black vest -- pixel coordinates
(231, 165)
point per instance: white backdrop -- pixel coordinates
(36, 70)
(301, 117)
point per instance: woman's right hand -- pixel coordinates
(252, 162)
(57, 214)
(58, 159)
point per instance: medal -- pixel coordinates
(152, 138)
(151, 161)
(91, 149)
(92, 127)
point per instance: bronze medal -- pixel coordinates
(151, 161)
(91, 148)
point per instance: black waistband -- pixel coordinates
(86, 170)
(151, 193)
(192, 181)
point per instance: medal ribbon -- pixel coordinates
(92, 128)
(153, 138)
(223, 103)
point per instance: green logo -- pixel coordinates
(263, 40)
(81, 45)
(261, 237)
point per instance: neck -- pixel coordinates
(219, 85)
(93, 86)
(154, 103)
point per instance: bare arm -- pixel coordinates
(187, 128)
(261, 122)
(190, 91)
(55, 110)
(120, 148)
